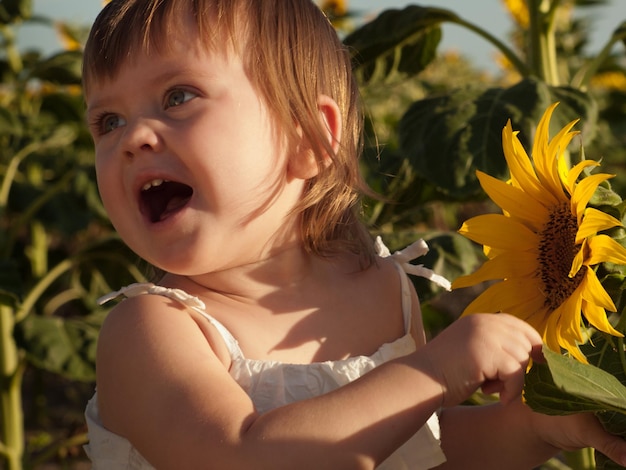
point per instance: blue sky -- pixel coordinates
(488, 14)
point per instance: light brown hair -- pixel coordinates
(292, 55)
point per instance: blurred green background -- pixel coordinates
(434, 116)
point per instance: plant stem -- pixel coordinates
(12, 171)
(76, 440)
(10, 392)
(620, 352)
(35, 293)
(542, 47)
(512, 57)
(31, 210)
(584, 75)
(582, 459)
(12, 53)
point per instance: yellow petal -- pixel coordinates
(593, 292)
(574, 173)
(556, 150)
(545, 156)
(555, 339)
(579, 259)
(595, 221)
(603, 248)
(542, 135)
(504, 296)
(561, 141)
(522, 173)
(508, 264)
(570, 313)
(550, 337)
(584, 190)
(499, 231)
(597, 317)
(531, 309)
(513, 200)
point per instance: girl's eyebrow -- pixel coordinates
(94, 109)
(157, 79)
(173, 70)
(91, 111)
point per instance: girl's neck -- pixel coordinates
(283, 273)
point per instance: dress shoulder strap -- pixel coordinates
(193, 302)
(403, 260)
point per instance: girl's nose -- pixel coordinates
(142, 136)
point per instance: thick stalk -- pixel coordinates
(582, 459)
(10, 392)
(542, 41)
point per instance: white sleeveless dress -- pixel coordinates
(271, 384)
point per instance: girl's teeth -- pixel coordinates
(152, 184)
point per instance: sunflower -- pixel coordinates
(544, 245)
(518, 9)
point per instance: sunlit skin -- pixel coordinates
(545, 244)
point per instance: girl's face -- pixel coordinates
(192, 172)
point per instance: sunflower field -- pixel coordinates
(57, 250)
(433, 120)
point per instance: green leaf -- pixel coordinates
(63, 68)
(563, 386)
(64, 107)
(62, 346)
(605, 196)
(9, 123)
(398, 43)
(604, 463)
(14, 10)
(448, 137)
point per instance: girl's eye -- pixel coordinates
(178, 97)
(111, 122)
(108, 122)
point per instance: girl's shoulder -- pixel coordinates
(139, 322)
(143, 314)
(156, 367)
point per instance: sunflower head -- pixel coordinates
(544, 247)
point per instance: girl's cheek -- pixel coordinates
(104, 156)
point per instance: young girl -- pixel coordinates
(226, 135)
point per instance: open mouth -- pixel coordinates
(159, 199)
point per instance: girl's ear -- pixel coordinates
(331, 120)
(303, 164)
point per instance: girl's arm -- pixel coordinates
(512, 436)
(162, 386)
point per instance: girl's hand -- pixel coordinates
(488, 351)
(577, 432)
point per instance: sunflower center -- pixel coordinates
(557, 249)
